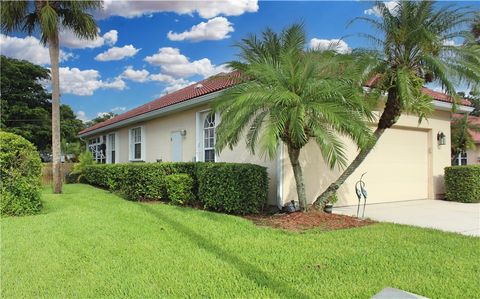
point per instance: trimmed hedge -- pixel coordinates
(20, 173)
(179, 188)
(226, 187)
(232, 188)
(137, 181)
(462, 183)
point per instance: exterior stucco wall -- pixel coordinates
(419, 174)
(473, 155)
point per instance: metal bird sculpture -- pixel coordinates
(361, 192)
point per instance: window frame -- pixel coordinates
(200, 121)
(132, 143)
(110, 149)
(461, 159)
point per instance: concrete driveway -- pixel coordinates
(463, 218)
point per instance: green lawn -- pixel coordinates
(90, 243)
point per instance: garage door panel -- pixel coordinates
(397, 169)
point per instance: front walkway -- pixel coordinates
(455, 217)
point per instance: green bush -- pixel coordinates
(142, 181)
(179, 188)
(225, 187)
(85, 159)
(20, 171)
(232, 188)
(462, 183)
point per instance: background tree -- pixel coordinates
(292, 96)
(101, 118)
(461, 132)
(476, 28)
(416, 47)
(48, 17)
(26, 105)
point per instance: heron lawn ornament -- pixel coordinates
(361, 192)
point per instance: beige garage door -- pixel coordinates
(397, 169)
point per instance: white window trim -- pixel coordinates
(199, 154)
(459, 158)
(109, 149)
(142, 142)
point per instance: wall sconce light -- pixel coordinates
(441, 138)
(183, 133)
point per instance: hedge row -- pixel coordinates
(462, 183)
(226, 187)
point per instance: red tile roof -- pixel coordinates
(209, 85)
(473, 120)
(440, 96)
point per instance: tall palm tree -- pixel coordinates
(288, 95)
(416, 46)
(48, 17)
(462, 140)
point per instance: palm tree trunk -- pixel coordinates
(389, 117)
(293, 154)
(332, 189)
(53, 46)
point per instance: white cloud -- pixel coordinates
(176, 86)
(175, 64)
(206, 9)
(117, 53)
(214, 29)
(28, 48)
(375, 10)
(70, 40)
(135, 75)
(82, 116)
(85, 82)
(450, 42)
(336, 45)
(118, 109)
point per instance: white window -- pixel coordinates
(209, 138)
(137, 144)
(112, 149)
(461, 159)
(205, 137)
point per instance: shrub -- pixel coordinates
(224, 187)
(85, 159)
(20, 172)
(232, 188)
(142, 181)
(462, 183)
(179, 188)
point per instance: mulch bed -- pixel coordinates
(299, 221)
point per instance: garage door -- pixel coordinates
(397, 168)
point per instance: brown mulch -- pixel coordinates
(299, 221)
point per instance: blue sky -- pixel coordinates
(136, 60)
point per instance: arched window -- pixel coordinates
(209, 138)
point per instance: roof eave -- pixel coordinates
(444, 106)
(187, 104)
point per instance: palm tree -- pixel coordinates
(47, 17)
(417, 48)
(476, 28)
(288, 95)
(461, 131)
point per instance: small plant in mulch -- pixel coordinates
(299, 221)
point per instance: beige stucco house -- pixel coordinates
(406, 164)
